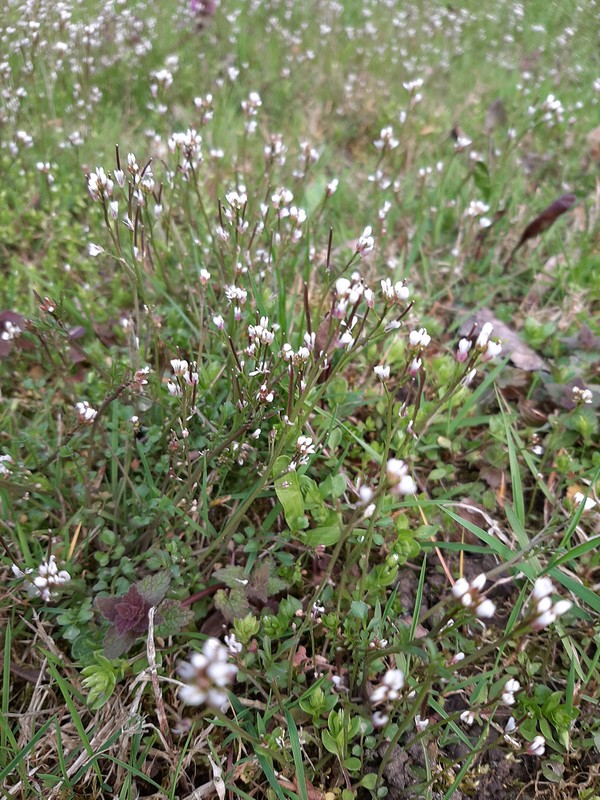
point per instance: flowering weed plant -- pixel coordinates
(298, 466)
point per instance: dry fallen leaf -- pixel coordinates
(544, 220)
(521, 355)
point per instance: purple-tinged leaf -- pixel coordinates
(107, 606)
(116, 644)
(153, 588)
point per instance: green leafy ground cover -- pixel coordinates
(299, 384)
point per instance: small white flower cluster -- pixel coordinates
(419, 340)
(305, 447)
(207, 674)
(10, 332)
(49, 577)
(552, 111)
(386, 140)
(260, 334)
(365, 243)
(265, 395)
(487, 347)
(477, 208)
(205, 106)
(238, 296)
(5, 459)
(387, 691)
(250, 108)
(275, 150)
(545, 611)
(412, 87)
(100, 185)
(189, 144)
(349, 292)
(301, 356)
(308, 155)
(509, 690)
(397, 293)
(582, 396)
(85, 412)
(469, 594)
(186, 375)
(397, 474)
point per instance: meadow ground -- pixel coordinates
(299, 353)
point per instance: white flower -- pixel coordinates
(469, 377)
(395, 469)
(5, 459)
(412, 86)
(542, 588)
(561, 607)
(85, 412)
(406, 485)
(179, 366)
(580, 498)
(233, 645)
(492, 350)
(511, 725)
(382, 372)
(366, 242)
(48, 578)
(537, 746)
(543, 620)
(476, 209)
(207, 674)
(379, 719)
(305, 446)
(260, 334)
(396, 293)
(421, 724)
(218, 322)
(342, 287)
(467, 717)
(484, 335)
(485, 610)
(415, 366)
(94, 250)
(386, 140)
(462, 352)
(460, 588)
(419, 338)
(99, 184)
(390, 687)
(511, 687)
(582, 396)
